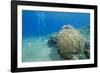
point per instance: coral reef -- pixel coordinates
(70, 42)
(85, 31)
(87, 49)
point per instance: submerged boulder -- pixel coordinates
(69, 42)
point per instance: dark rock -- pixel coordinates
(52, 40)
(87, 44)
(87, 53)
(87, 49)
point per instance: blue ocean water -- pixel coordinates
(37, 25)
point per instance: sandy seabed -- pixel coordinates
(37, 49)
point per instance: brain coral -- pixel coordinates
(70, 42)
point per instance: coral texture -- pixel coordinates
(70, 42)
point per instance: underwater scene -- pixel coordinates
(55, 36)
